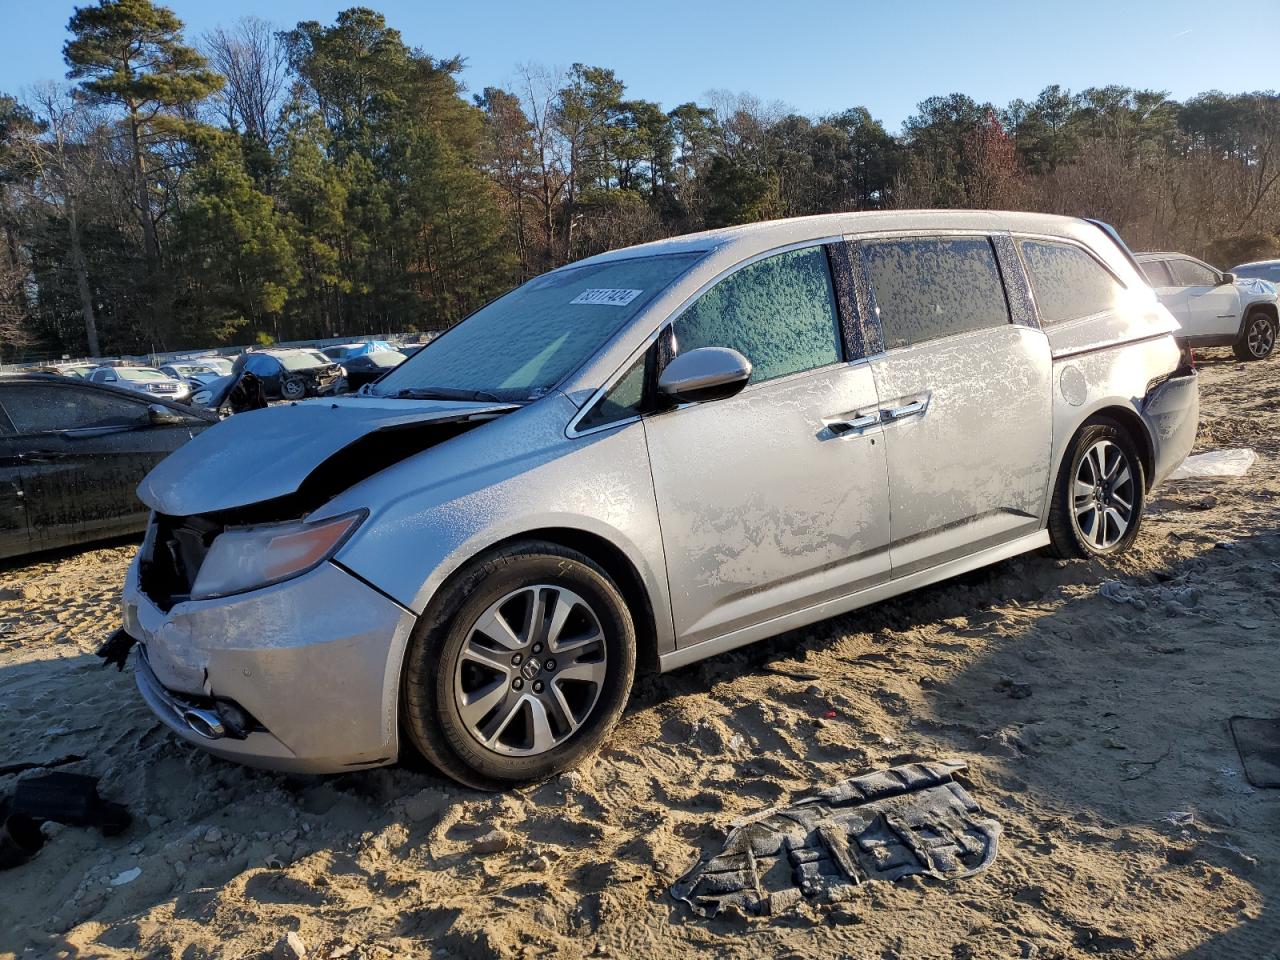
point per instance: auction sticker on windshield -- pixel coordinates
(607, 298)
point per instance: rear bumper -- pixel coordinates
(1172, 414)
(315, 660)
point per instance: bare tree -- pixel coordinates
(65, 170)
(253, 60)
(539, 89)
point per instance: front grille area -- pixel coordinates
(175, 550)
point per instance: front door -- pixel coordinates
(1204, 307)
(13, 514)
(775, 499)
(83, 453)
(964, 397)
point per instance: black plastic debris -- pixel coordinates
(70, 798)
(1258, 743)
(20, 838)
(885, 825)
(116, 649)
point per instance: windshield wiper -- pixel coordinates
(445, 393)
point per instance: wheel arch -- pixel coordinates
(611, 558)
(1269, 308)
(1128, 420)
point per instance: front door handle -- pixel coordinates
(842, 427)
(906, 410)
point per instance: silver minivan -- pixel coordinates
(642, 459)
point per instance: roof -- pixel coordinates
(1258, 263)
(751, 238)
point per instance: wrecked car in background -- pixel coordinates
(1215, 309)
(652, 456)
(72, 455)
(368, 367)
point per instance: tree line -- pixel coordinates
(330, 180)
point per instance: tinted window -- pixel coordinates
(928, 288)
(37, 408)
(1157, 273)
(1188, 273)
(778, 312)
(261, 365)
(1067, 282)
(623, 401)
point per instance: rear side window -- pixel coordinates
(1157, 273)
(40, 408)
(778, 312)
(1188, 273)
(1068, 283)
(930, 288)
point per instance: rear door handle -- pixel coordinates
(840, 428)
(906, 410)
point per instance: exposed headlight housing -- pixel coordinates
(249, 558)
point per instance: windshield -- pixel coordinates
(521, 345)
(1265, 271)
(303, 360)
(138, 373)
(220, 366)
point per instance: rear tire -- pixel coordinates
(1099, 495)
(1258, 338)
(505, 683)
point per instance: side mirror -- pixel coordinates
(706, 373)
(1226, 279)
(162, 416)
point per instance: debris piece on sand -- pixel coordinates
(884, 825)
(1216, 463)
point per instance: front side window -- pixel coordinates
(778, 312)
(929, 288)
(624, 400)
(1157, 273)
(42, 408)
(1188, 273)
(521, 345)
(1067, 282)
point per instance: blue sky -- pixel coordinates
(817, 55)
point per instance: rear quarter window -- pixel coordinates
(929, 288)
(1068, 282)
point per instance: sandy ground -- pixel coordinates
(1129, 828)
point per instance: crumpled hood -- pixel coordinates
(1257, 288)
(264, 454)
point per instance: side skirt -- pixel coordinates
(830, 608)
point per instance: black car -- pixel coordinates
(72, 454)
(368, 368)
(292, 374)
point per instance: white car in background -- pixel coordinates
(1215, 309)
(143, 380)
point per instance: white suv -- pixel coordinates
(1215, 309)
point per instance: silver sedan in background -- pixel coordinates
(649, 457)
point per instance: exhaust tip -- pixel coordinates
(204, 724)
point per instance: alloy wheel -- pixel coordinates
(1261, 337)
(530, 670)
(1104, 495)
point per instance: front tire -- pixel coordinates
(1100, 493)
(292, 388)
(521, 670)
(1258, 339)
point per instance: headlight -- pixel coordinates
(248, 558)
